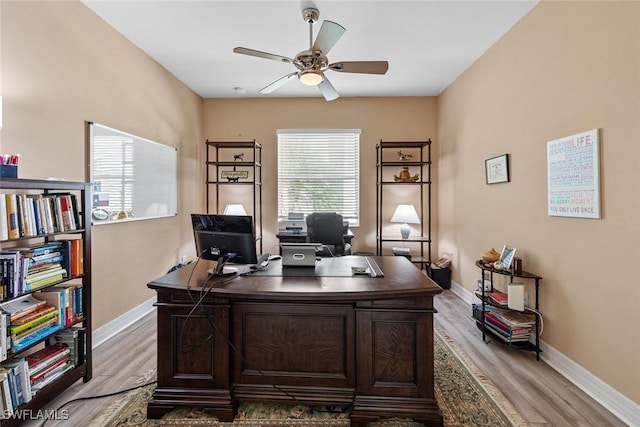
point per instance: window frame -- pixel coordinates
(314, 137)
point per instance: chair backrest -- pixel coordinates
(326, 228)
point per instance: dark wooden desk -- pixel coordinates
(282, 335)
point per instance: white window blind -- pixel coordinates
(318, 171)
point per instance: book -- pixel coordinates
(7, 404)
(75, 340)
(4, 228)
(499, 298)
(17, 331)
(35, 337)
(36, 387)
(41, 283)
(4, 335)
(54, 297)
(45, 358)
(77, 257)
(12, 216)
(44, 272)
(21, 368)
(34, 315)
(65, 211)
(514, 318)
(22, 306)
(15, 386)
(50, 370)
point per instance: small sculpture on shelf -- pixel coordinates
(491, 256)
(405, 176)
(403, 156)
(235, 175)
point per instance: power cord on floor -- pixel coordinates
(100, 396)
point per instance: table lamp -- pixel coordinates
(234, 210)
(405, 214)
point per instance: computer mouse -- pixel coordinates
(272, 257)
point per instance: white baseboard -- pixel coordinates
(615, 402)
(111, 329)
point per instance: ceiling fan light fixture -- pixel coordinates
(311, 77)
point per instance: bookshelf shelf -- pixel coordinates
(77, 280)
(230, 157)
(486, 303)
(416, 156)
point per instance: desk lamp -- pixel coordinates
(405, 214)
(234, 210)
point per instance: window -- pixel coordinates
(318, 171)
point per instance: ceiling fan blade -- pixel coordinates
(365, 67)
(327, 90)
(259, 54)
(329, 34)
(278, 83)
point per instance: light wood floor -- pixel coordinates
(541, 395)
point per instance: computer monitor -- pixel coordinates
(224, 238)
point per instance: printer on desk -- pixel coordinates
(294, 223)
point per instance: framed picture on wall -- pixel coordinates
(497, 169)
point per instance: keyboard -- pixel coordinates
(374, 268)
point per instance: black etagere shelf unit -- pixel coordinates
(236, 164)
(81, 230)
(389, 159)
(479, 311)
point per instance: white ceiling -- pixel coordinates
(428, 43)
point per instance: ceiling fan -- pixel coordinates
(312, 63)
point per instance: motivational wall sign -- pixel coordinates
(574, 175)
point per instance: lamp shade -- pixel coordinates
(234, 210)
(405, 214)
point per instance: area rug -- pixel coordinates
(465, 396)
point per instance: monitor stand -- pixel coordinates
(221, 269)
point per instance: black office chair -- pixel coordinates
(329, 229)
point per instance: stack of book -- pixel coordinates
(48, 364)
(32, 268)
(37, 214)
(15, 387)
(508, 325)
(67, 300)
(12, 273)
(31, 320)
(499, 298)
(75, 340)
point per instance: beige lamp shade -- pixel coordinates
(234, 210)
(405, 214)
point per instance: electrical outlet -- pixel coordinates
(526, 299)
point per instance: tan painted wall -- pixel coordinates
(565, 68)
(62, 66)
(398, 119)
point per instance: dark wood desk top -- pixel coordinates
(402, 279)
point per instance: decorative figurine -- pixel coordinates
(404, 156)
(235, 175)
(405, 176)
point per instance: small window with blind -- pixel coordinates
(318, 171)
